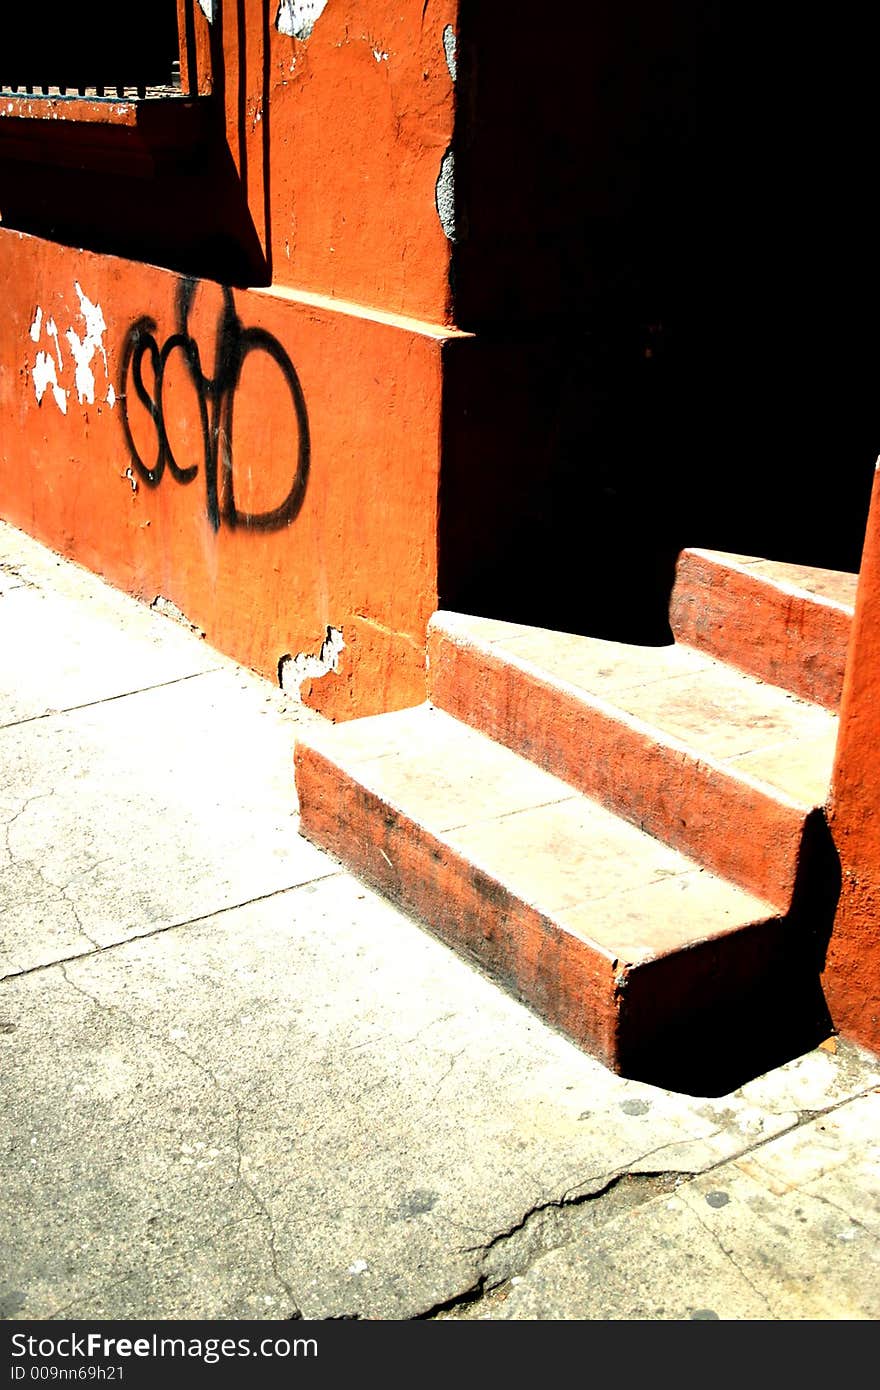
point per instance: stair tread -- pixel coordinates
(685, 696)
(598, 878)
(833, 586)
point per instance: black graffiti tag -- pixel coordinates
(216, 398)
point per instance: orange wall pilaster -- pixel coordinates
(852, 975)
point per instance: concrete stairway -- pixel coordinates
(630, 839)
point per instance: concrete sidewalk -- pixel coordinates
(238, 1085)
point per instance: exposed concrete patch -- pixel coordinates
(207, 9)
(293, 671)
(170, 610)
(445, 186)
(444, 194)
(297, 18)
(449, 48)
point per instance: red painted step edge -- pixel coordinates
(636, 1019)
(745, 832)
(787, 637)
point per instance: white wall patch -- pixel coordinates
(52, 332)
(293, 671)
(207, 9)
(85, 344)
(44, 376)
(297, 18)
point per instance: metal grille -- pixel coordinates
(102, 50)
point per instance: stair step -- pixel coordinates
(712, 761)
(787, 624)
(617, 939)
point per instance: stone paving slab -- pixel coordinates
(128, 815)
(307, 1104)
(116, 645)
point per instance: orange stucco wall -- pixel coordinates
(338, 140)
(328, 516)
(852, 975)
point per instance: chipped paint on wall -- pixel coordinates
(84, 349)
(294, 671)
(52, 332)
(207, 9)
(445, 194)
(449, 48)
(50, 366)
(444, 191)
(43, 375)
(297, 18)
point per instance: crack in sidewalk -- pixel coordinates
(108, 699)
(231, 1103)
(551, 1223)
(159, 931)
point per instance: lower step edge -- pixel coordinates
(701, 1020)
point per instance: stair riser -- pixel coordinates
(568, 984)
(795, 642)
(750, 998)
(691, 805)
(640, 1021)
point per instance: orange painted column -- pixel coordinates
(852, 976)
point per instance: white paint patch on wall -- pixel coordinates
(44, 376)
(207, 9)
(297, 18)
(293, 671)
(84, 346)
(52, 332)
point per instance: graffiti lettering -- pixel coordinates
(216, 402)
